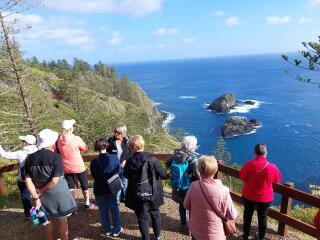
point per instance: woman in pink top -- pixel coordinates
(202, 196)
(258, 176)
(70, 147)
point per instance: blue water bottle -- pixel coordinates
(34, 216)
(42, 217)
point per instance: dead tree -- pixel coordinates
(15, 60)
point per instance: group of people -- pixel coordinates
(50, 166)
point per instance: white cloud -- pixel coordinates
(276, 20)
(233, 21)
(189, 40)
(313, 3)
(54, 29)
(303, 20)
(217, 13)
(133, 8)
(115, 39)
(166, 32)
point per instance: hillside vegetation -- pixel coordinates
(94, 96)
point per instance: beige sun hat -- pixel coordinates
(47, 138)
(67, 124)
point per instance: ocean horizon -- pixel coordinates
(288, 109)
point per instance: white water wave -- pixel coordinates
(187, 97)
(168, 120)
(244, 108)
(252, 132)
(158, 103)
(205, 105)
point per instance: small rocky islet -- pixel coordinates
(234, 125)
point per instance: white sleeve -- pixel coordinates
(18, 155)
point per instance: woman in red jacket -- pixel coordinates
(258, 175)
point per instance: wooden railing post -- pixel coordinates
(1, 186)
(219, 174)
(286, 203)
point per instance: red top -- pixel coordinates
(257, 184)
(316, 221)
(70, 148)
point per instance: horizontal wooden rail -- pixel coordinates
(287, 192)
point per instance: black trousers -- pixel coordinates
(143, 220)
(262, 210)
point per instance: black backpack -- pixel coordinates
(144, 180)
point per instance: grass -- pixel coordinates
(11, 190)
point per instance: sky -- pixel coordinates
(115, 31)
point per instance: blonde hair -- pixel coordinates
(120, 127)
(207, 166)
(136, 143)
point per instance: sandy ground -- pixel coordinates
(86, 225)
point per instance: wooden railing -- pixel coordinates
(286, 190)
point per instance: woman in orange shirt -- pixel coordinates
(70, 147)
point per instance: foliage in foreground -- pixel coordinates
(310, 61)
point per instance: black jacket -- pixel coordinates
(102, 168)
(112, 148)
(133, 166)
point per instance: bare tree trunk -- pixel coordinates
(22, 88)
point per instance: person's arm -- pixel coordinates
(81, 144)
(49, 185)
(277, 175)
(12, 155)
(232, 212)
(126, 170)
(187, 200)
(32, 189)
(243, 173)
(93, 169)
(161, 172)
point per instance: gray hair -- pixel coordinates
(120, 127)
(189, 143)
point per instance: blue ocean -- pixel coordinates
(288, 109)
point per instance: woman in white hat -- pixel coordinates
(28, 146)
(47, 185)
(70, 147)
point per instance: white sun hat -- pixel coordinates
(30, 139)
(67, 124)
(47, 138)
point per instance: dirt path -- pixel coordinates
(86, 225)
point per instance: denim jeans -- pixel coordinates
(25, 198)
(143, 220)
(110, 203)
(124, 189)
(262, 210)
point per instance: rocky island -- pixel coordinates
(238, 125)
(224, 103)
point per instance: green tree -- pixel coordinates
(310, 61)
(221, 152)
